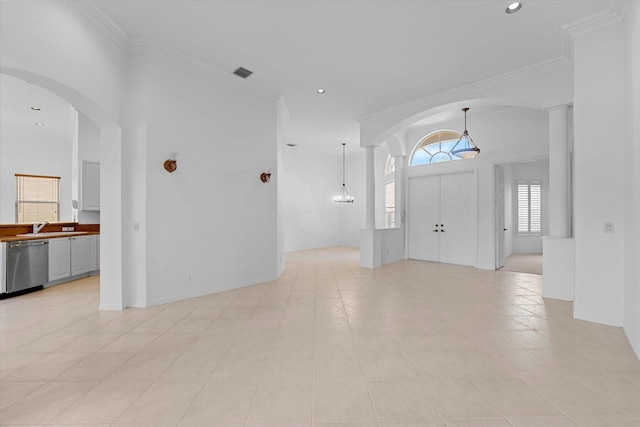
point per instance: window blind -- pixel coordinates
(37, 198)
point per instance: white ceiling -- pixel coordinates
(368, 55)
(16, 114)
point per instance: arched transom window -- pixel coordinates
(435, 148)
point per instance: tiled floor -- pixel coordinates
(329, 344)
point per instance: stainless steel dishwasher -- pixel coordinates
(27, 264)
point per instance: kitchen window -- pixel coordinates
(37, 198)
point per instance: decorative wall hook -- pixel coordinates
(171, 164)
(265, 176)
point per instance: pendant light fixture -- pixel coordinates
(344, 196)
(465, 148)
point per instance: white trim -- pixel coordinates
(597, 21)
(284, 110)
(464, 91)
(163, 52)
(100, 19)
(104, 23)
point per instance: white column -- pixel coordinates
(558, 172)
(371, 189)
(558, 251)
(399, 161)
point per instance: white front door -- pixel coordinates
(424, 218)
(443, 218)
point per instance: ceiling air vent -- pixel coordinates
(242, 72)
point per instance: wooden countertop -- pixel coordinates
(10, 232)
(43, 237)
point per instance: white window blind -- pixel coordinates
(529, 206)
(37, 198)
(390, 204)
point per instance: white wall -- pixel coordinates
(310, 180)
(632, 177)
(508, 207)
(34, 154)
(352, 215)
(599, 188)
(505, 136)
(539, 171)
(212, 224)
(88, 150)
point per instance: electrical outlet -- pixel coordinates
(608, 227)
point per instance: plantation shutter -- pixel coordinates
(529, 206)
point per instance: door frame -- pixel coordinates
(499, 235)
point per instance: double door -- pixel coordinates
(442, 222)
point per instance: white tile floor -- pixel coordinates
(328, 344)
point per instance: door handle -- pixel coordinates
(504, 229)
(436, 230)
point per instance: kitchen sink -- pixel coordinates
(50, 234)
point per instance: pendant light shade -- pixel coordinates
(343, 196)
(465, 148)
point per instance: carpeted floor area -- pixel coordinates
(524, 263)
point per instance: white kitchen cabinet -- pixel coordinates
(80, 253)
(94, 252)
(90, 186)
(59, 258)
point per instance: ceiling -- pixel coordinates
(368, 55)
(17, 115)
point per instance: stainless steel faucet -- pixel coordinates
(39, 226)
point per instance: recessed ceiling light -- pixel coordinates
(514, 7)
(35, 108)
(320, 91)
(39, 124)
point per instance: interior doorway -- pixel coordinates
(111, 213)
(520, 213)
(442, 221)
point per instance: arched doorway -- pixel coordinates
(112, 250)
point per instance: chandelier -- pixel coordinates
(465, 148)
(343, 196)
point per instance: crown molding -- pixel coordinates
(467, 90)
(131, 45)
(164, 52)
(613, 15)
(97, 17)
(620, 7)
(284, 110)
